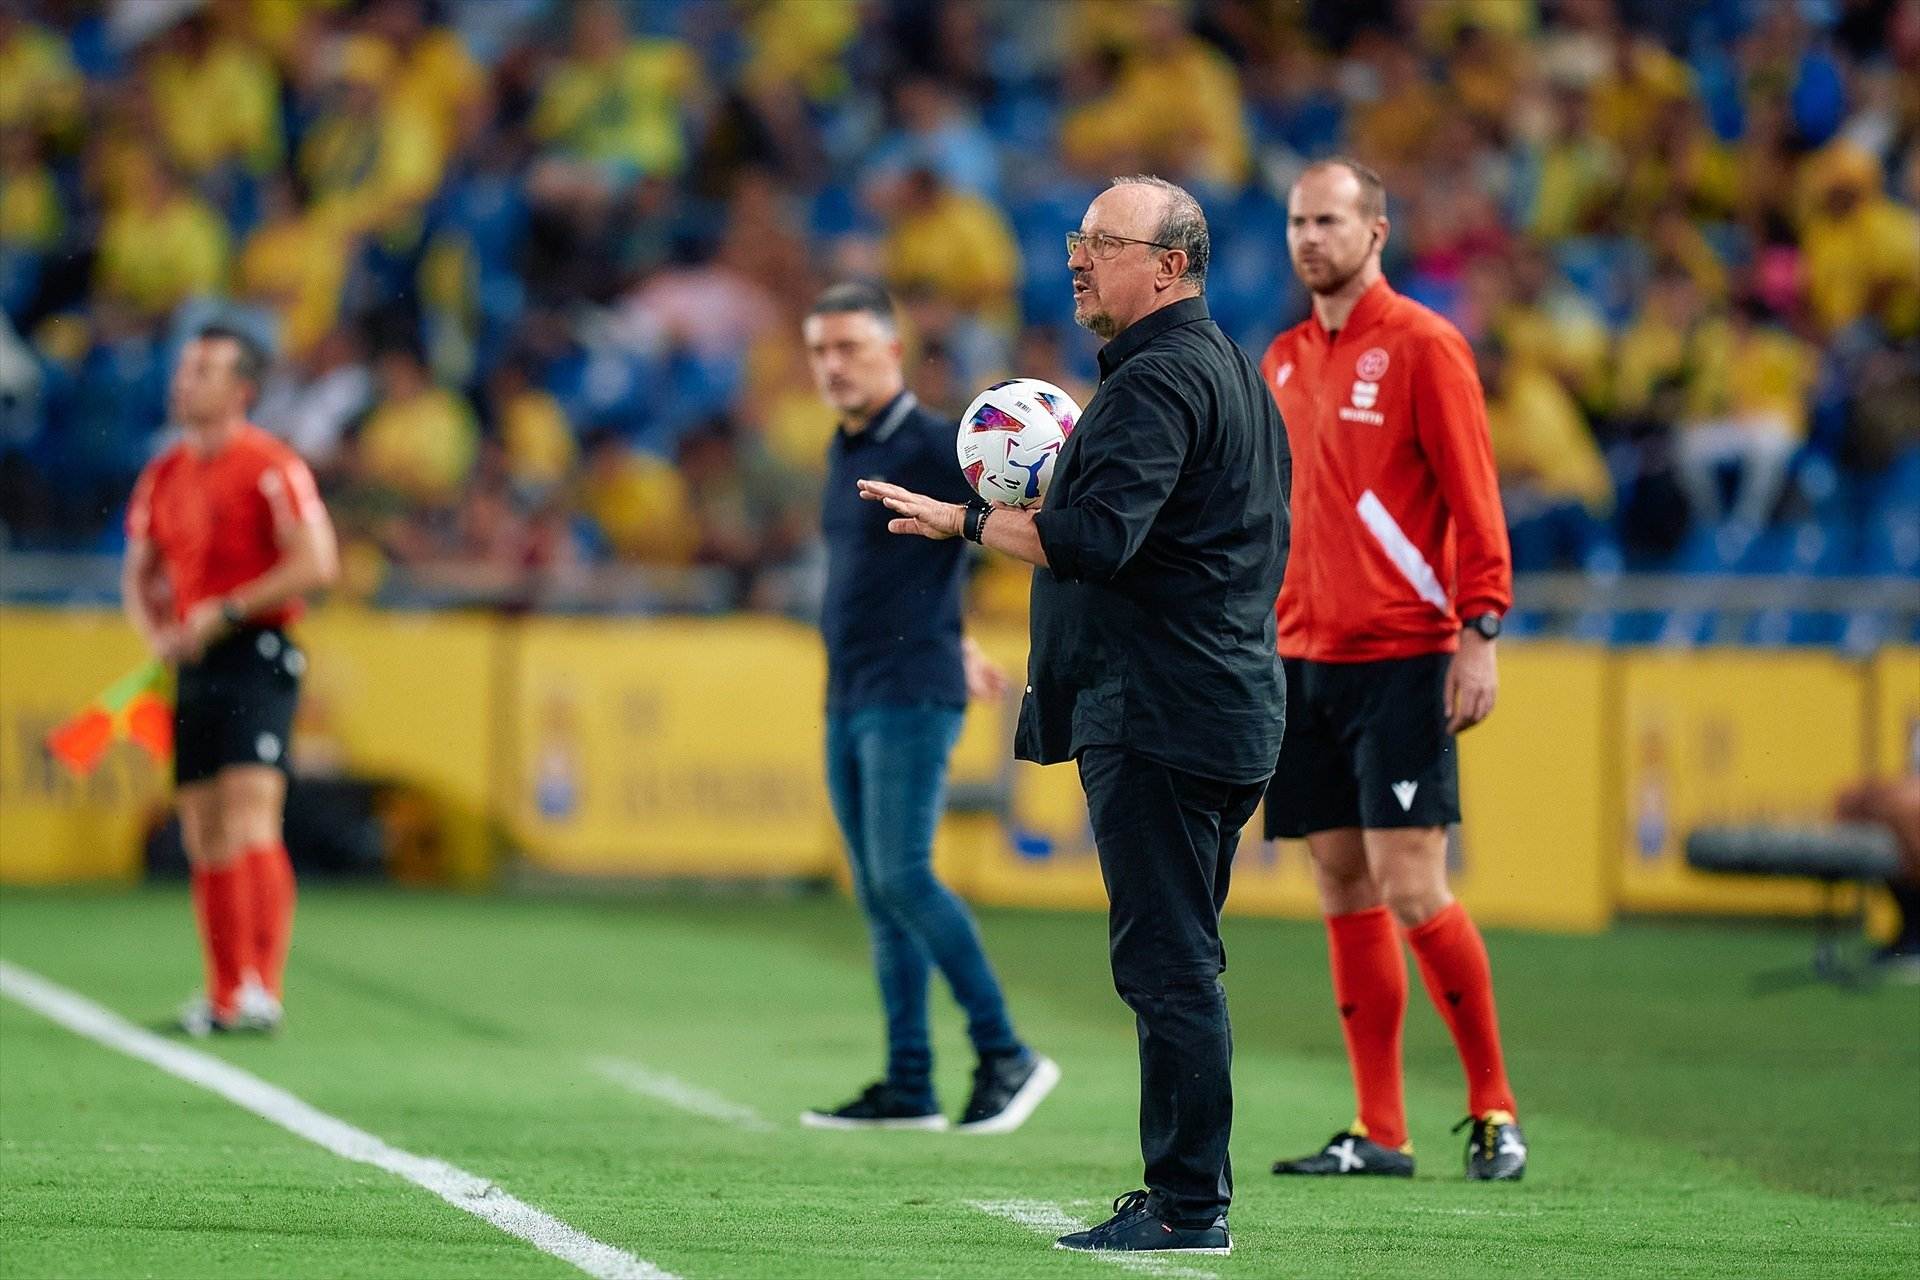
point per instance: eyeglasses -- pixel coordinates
(1101, 245)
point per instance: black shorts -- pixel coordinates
(235, 705)
(1367, 746)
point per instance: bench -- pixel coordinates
(1834, 854)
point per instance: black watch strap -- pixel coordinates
(973, 525)
(230, 613)
(1486, 624)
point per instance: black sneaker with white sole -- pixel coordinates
(1496, 1151)
(1135, 1228)
(1005, 1092)
(880, 1106)
(1351, 1154)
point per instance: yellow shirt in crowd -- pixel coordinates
(642, 505)
(539, 441)
(423, 446)
(297, 266)
(156, 260)
(626, 111)
(225, 106)
(961, 248)
(1869, 260)
(40, 88)
(30, 215)
(1541, 437)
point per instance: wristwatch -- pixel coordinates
(230, 614)
(973, 525)
(1487, 624)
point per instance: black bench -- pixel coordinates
(1834, 854)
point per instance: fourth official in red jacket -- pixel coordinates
(1392, 602)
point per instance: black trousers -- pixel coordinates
(1166, 840)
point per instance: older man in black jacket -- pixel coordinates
(1159, 552)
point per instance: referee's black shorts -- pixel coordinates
(1367, 746)
(236, 705)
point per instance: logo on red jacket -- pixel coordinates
(1372, 365)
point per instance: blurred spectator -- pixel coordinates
(1174, 108)
(216, 99)
(32, 220)
(311, 400)
(1553, 482)
(640, 504)
(163, 246)
(533, 431)
(295, 265)
(370, 163)
(40, 89)
(433, 78)
(421, 441)
(616, 106)
(1746, 407)
(932, 132)
(955, 246)
(1863, 249)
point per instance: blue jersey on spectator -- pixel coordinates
(891, 613)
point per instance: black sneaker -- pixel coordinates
(1005, 1092)
(1496, 1151)
(1134, 1228)
(1352, 1154)
(881, 1107)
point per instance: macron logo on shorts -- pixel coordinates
(1403, 792)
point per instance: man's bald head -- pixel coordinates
(1142, 245)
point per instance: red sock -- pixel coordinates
(1453, 961)
(224, 909)
(270, 882)
(1370, 987)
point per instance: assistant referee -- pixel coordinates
(225, 535)
(1152, 664)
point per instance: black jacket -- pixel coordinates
(1166, 530)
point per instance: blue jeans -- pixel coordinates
(887, 773)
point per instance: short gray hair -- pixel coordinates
(1184, 227)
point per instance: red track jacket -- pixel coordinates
(1397, 527)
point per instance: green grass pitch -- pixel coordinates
(1680, 1124)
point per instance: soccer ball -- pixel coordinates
(1010, 436)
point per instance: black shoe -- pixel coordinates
(1351, 1154)
(881, 1107)
(1496, 1151)
(1134, 1228)
(1005, 1092)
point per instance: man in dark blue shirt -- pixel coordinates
(898, 675)
(1158, 558)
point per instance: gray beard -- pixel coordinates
(1100, 325)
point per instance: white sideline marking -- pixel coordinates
(1047, 1218)
(676, 1092)
(456, 1186)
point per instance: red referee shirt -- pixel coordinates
(218, 520)
(1397, 527)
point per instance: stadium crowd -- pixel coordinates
(533, 271)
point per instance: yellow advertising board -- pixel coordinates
(411, 697)
(54, 827)
(670, 747)
(1728, 736)
(1895, 681)
(1532, 852)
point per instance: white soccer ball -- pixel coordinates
(1010, 436)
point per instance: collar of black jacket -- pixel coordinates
(1148, 327)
